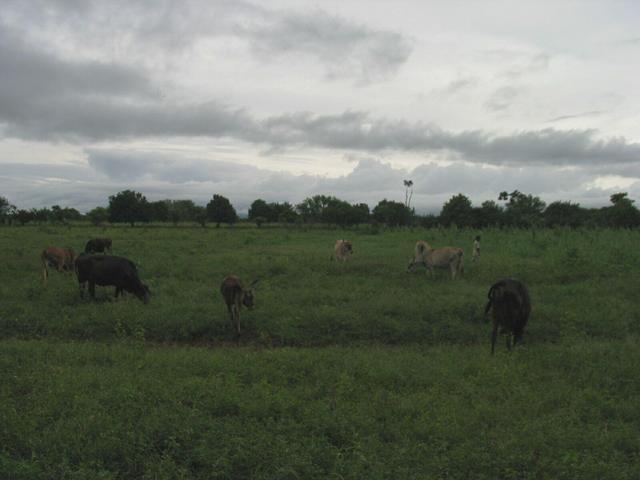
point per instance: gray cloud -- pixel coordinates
(460, 84)
(344, 48)
(502, 98)
(592, 113)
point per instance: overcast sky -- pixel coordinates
(285, 99)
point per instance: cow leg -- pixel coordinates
(509, 341)
(45, 272)
(231, 315)
(92, 289)
(81, 287)
(494, 336)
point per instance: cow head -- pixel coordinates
(143, 293)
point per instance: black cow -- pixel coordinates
(511, 304)
(96, 245)
(106, 270)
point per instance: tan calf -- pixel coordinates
(342, 250)
(235, 295)
(62, 259)
(445, 257)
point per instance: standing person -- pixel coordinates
(476, 249)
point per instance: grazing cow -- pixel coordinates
(98, 245)
(511, 306)
(476, 249)
(342, 250)
(235, 295)
(445, 257)
(61, 259)
(106, 270)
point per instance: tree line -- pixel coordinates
(510, 209)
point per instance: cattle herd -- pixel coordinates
(509, 300)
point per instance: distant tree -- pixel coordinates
(128, 206)
(183, 211)
(522, 210)
(564, 214)
(259, 209)
(23, 216)
(392, 213)
(57, 214)
(282, 212)
(489, 214)
(98, 215)
(622, 214)
(159, 211)
(428, 221)
(42, 215)
(200, 215)
(457, 210)
(408, 192)
(220, 210)
(311, 208)
(6, 210)
(361, 213)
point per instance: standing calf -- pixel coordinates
(342, 250)
(62, 259)
(445, 257)
(235, 295)
(511, 306)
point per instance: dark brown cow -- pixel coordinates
(62, 259)
(511, 304)
(235, 295)
(98, 245)
(105, 270)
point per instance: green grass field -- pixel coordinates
(355, 370)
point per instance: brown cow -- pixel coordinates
(445, 257)
(235, 295)
(511, 306)
(342, 250)
(62, 259)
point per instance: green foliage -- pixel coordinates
(7, 210)
(392, 213)
(98, 216)
(564, 214)
(220, 210)
(522, 210)
(128, 206)
(623, 214)
(259, 209)
(457, 210)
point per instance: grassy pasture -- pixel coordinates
(380, 374)
(583, 284)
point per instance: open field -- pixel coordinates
(384, 374)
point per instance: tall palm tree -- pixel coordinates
(408, 193)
